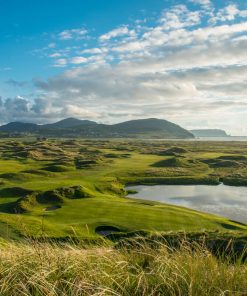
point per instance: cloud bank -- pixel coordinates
(189, 67)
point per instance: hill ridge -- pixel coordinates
(73, 127)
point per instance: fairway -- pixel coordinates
(66, 188)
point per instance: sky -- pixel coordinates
(111, 61)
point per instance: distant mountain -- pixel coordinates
(72, 127)
(68, 123)
(152, 127)
(209, 133)
(19, 127)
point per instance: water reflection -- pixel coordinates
(228, 201)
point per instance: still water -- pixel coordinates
(227, 201)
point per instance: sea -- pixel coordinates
(222, 139)
(208, 139)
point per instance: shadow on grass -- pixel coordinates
(14, 192)
(8, 208)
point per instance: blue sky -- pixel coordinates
(109, 61)
(29, 27)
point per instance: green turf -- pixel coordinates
(103, 168)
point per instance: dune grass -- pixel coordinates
(43, 269)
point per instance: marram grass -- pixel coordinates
(51, 269)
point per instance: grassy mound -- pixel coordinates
(83, 163)
(14, 191)
(71, 142)
(55, 168)
(52, 197)
(19, 177)
(75, 192)
(222, 163)
(226, 164)
(173, 151)
(53, 208)
(24, 204)
(60, 194)
(233, 157)
(65, 162)
(176, 162)
(113, 188)
(33, 154)
(9, 176)
(115, 155)
(35, 151)
(39, 172)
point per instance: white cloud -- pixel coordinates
(164, 79)
(65, 35)
(55, 55)
(51, 45)
(121, 31)
(179, 17)
(243, 13)
(78, 60)
(178, 69)
(202, 2)
(228, 13)
(129, 46)
(76, 34)
(79, 111)
(94, 50)
(60, 63)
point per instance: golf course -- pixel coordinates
(69, 188)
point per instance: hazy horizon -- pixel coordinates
(182, 61)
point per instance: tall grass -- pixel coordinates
(50, 269)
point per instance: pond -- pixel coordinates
(227, 201)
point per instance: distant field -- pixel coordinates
(61, 188)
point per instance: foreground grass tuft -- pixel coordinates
(49, 269)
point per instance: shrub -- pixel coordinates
(52, 196)
(25, 204)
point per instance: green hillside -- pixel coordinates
(71, 127)
(69, 188)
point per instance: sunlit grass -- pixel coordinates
(39, 269)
